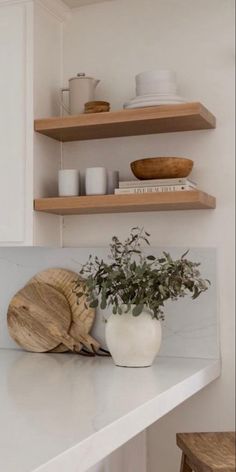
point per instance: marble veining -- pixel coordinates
(64, 412)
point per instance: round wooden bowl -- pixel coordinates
(161, 168)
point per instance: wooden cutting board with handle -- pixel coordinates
(64, 281)
(39, 318)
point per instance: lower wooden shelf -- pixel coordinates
(166, 201)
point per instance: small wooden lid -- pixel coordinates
(96, 103)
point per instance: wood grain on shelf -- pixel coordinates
(184, 200)
(159, 119)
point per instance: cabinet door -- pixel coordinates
(12, 122)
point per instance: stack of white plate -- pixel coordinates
(153, 88)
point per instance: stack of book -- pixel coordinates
(152, 186)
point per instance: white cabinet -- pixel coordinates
(30, 79)
(13, 133)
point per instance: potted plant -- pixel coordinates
(137, 286)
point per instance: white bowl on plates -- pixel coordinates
(156, 81)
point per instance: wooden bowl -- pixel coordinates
(161, 168)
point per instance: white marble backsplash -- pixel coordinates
(190, 327)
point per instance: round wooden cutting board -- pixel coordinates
(39, 318)
(64, 281)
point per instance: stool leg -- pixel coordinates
(184, 466)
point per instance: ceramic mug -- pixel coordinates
(95, 181)
(112, 181)
(68, 182)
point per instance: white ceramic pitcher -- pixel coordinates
(81, 90)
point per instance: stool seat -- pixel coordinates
(207, 452)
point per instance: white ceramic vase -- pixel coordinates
(133, 341)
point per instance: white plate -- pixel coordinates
(156, 96)
(150, 100)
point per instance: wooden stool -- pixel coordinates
(207, 452)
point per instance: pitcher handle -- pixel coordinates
(61, 100)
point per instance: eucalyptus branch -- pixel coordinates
(136, 280)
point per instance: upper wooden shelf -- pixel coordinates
(159, 119)
(184, 200)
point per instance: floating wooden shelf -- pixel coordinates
(159, 119)
(183, 200)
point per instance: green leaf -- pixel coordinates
(103, 304)
(137, 310)
(162, 290)
(195, 295)
(94, 304)
(161, 260)
(167, 255)
(185, 254)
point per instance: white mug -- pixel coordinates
(95, 181)
(112, 181)
(68, 182)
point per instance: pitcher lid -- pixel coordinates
(82, 75)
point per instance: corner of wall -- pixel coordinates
(57, 8)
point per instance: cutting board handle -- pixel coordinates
(84, 339)
(63, 337)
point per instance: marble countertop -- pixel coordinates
(63, 412)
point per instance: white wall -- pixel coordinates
(114, 41)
